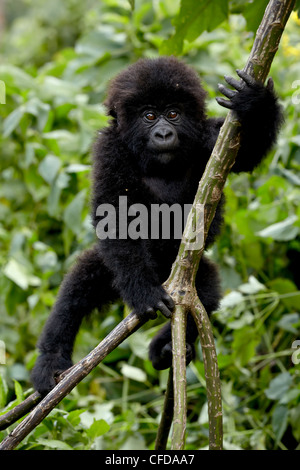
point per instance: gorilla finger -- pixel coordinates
(239, 86)
(224, 103)
(190, 352)
(164, 360)
(270, 84)
(151, 313)
(247, 78)
(166, 351)
(164, 309)
(226, 92)
(168, 301)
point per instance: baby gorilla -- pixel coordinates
(153, 152)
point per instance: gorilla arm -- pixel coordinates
(256, 107)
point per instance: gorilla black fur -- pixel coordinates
(154, 151)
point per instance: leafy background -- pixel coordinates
(56, 60)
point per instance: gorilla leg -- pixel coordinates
(85, 287)
(209, 292)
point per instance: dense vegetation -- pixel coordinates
(57, 58)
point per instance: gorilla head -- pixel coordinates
(159, 108)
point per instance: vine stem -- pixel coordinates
(212, 377)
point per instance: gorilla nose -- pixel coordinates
(164, 134)
(164, 138)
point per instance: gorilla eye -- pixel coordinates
(172, 115)
(150, 116)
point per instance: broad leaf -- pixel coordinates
(98, 428)
(72, 215)
(281, 231)
(193, 19)
(279, 421)
(279, 386)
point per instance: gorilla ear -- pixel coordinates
(113, 112)
(111, 109)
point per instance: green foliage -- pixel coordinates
(193, 19)
(55, 83)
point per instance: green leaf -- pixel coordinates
(135, 442)
(279, 421)
(289, 175)
(67, 142)
(289, 294)
(74, 417)
(60, 183)
(244, 344)
(139, 343)
(12, 120)
(54, 444)
(281, 231)
(232, 299)
(72, 214)
(77, 168)
(194, 18)
(133, 373)
(279, 386)
(3, 392)
(287, 322)
(18, 391)
(245, 319)
(98, 428)
(53, 87)
(132, 2)
(253, 13)
(100, 412)
(40, 110)
(16, 77)
(252, 286)
(49, 168)
(20, 275)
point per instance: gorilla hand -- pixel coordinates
(156, 298)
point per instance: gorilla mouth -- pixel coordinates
(164, 145)
(164, 152)
(165, 157)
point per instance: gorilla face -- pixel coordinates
(160, 134)
(162, 131)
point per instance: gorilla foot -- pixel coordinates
(46, 370)
(163, 359)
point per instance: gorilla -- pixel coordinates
(153, 151)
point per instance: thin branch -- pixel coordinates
(212, 377)
(19, 411)
(179, 376)
(78, 372)
(167, 415)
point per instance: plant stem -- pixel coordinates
(212, 376)
(179, 377)
(167, 415)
